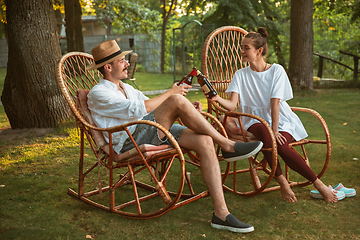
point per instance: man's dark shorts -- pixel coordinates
(146, 134)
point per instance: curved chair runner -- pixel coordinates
(143, 183)
(221, 58)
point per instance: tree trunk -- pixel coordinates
(74, 36)
(301, 45)
(163, 38)
(165, 16)
(31, 96)
(58, 16)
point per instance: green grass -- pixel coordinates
(2, 78)
(4, 121)
(154, 81)
(35, 173)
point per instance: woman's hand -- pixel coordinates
(279, 138)
(215, 98)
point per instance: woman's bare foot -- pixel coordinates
(286, 193)
(326, 192)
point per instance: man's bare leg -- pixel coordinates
(200, 137)
(178, 106)
(203, 145)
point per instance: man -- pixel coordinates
(112, 102)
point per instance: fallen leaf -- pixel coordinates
(294, 213)
(203, 235)
(345, 124)
(88, 236)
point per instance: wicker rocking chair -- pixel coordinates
(221, 58)
(144, 182)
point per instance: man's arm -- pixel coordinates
(152, 104)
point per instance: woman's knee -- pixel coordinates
(261, 133)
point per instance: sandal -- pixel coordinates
(339, 194)
(349, 192)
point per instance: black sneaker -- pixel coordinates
(243, 150)
(232, 224)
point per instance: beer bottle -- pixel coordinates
(205, 85)
(188, 78)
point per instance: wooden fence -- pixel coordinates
(148, 51)
(355, 69)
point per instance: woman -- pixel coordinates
(263, 90)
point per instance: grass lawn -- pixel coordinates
(36, 171)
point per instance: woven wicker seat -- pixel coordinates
(221, 58)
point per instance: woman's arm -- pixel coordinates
(275, 115)
(227, 104)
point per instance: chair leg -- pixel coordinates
(133, 81)
(260, 174)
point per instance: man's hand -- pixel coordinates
(197, 105)
(182, 90)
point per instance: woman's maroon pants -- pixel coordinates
(289, 155)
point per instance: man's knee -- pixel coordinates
(177, 100)
(204, 142)
(171, 105)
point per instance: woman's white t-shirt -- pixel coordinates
(256, 89)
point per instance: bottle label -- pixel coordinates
(183, 84)
(205, 88)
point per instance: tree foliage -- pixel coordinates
(336, 28)
(356, 11)
(251, 14)
(127, 16)
(167, 10)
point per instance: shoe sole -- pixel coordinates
(253, 152)
(350, 194)
(347, 194)
(233, 229)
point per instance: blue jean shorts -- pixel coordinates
(146, 134)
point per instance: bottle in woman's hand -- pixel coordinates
(205, 85)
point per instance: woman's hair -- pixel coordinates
(259, 39)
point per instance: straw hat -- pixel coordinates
(106, 52)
